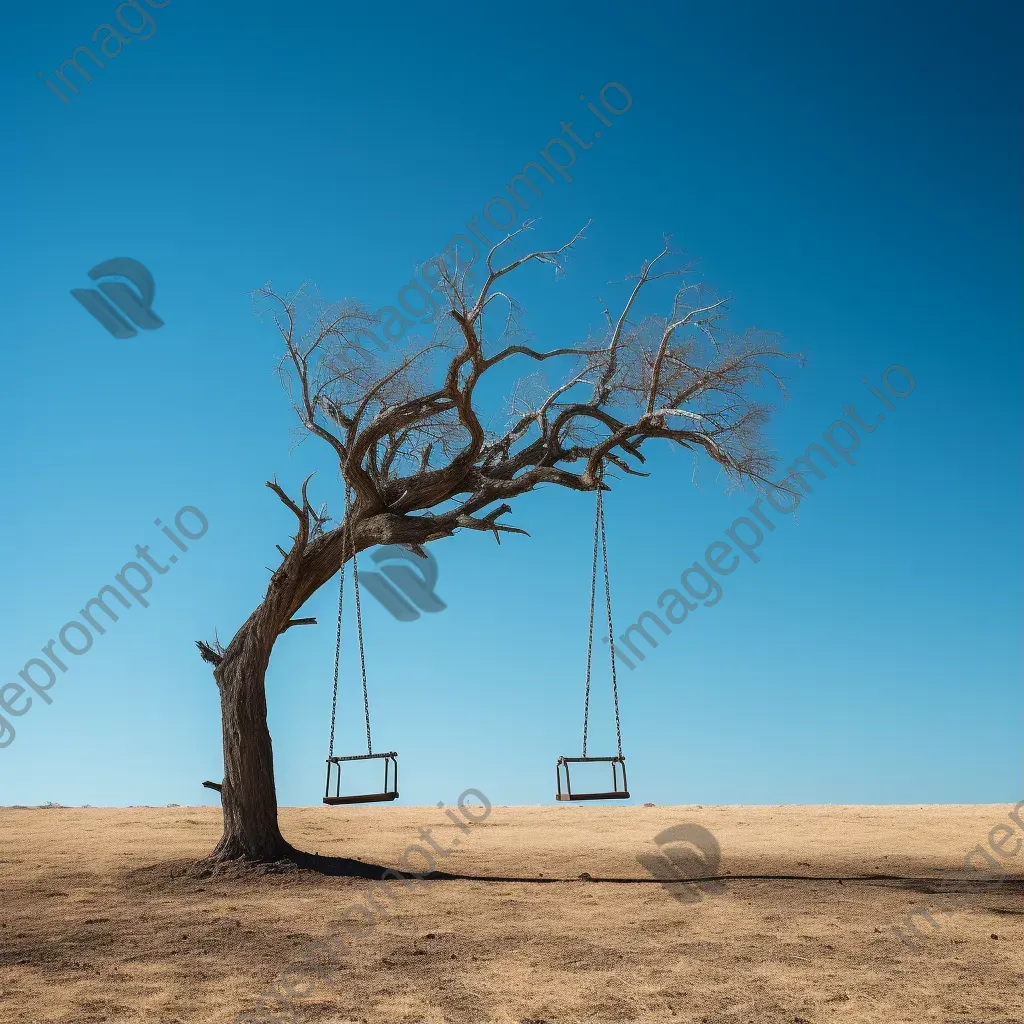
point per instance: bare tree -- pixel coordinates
(406, 431)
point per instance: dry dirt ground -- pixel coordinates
(99, 920)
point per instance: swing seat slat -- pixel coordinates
(620, 795)
(369, 798)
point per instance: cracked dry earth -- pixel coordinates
(100, 920)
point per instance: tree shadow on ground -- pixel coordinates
(347, 867)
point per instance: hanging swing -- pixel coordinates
(618, 762)
(390, 759)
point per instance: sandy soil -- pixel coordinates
(100, 922)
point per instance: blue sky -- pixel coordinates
(850, 174)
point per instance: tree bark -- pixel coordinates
(248, 792)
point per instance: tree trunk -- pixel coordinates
(248, 793)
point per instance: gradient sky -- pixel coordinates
(850, 173)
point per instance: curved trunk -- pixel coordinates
(248, 793)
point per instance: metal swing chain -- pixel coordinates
(337, 660)
(337, 643)
(611, 631)
(359, 630)
(590, 636)
(362, 652)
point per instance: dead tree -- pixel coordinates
(408, 433)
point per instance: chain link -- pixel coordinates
(341, 605)
(590, 636)
(337, 655)
(362, 651)
(600, 535)
(611, 630)
(359, 629)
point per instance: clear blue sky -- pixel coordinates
(849, 172)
